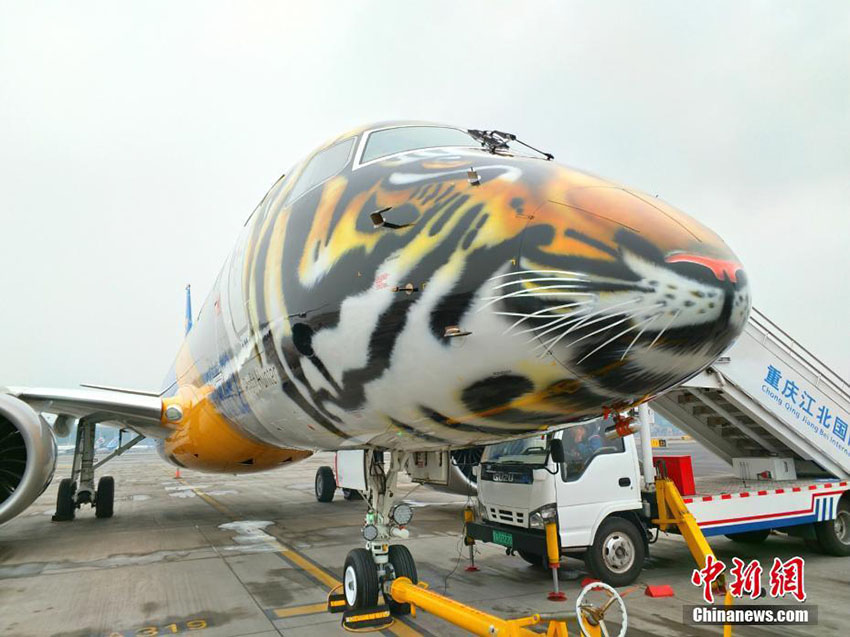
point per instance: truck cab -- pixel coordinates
(594, 495)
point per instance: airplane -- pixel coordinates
(408, 288)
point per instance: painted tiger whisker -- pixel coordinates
(614, 338)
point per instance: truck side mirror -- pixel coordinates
(556, 448)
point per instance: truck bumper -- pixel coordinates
(519, 539)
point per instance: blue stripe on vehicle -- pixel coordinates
(775, 523)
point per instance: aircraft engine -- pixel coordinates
(27, 456)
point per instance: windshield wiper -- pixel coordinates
(495, 140)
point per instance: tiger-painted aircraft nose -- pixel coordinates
(443, 287)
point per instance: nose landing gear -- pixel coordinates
(367, 569)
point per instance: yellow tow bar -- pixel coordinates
(476, 621)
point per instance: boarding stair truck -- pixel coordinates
(771, 409)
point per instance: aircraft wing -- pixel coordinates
(142, 413)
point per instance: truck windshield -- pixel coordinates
(525, 451)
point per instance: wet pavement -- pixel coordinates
(257, 555)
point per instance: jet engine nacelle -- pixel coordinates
(27, 456)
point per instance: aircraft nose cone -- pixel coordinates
(627, 293)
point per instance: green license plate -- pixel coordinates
(505, 539)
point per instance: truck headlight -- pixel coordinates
(481, 510)
(539, 518)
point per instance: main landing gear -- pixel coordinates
(368, 570)
(79, 489)
(326, 486)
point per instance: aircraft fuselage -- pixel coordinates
(446, 296)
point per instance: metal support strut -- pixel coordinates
(381, 496)
(83, 468)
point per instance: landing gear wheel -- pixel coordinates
(351, 494)
(617, 554)
(834, 535)
(360, 579)
(749, 537)
(65, 505)
(591, 617)
(325, 484)
(532, 558)
(104, 497)
(404, 566)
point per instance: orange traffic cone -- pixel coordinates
(177, 473)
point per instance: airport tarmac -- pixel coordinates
(256, 555)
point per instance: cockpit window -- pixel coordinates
(321, 167)
(398, 140)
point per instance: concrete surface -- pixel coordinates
(165, 564)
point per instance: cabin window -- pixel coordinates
(324, 165)
(390, 141)
(583, 443)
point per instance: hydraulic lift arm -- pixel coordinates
(672, 511)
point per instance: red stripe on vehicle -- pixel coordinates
(783, 514)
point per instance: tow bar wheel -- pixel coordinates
(591, 617)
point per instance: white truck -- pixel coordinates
(604, 514)
(768, 407)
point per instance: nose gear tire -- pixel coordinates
(360, 579)
(404, 566)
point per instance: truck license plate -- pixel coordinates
(505, 539)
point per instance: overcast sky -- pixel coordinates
(135, 138)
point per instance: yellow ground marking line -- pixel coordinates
(398, 628)
(302, 562)
(307, 609)
(403, 630)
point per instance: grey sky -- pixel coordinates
(135, 138)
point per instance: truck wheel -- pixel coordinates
(325, 484)
(360, 579)
(617, 554)
(532, 558)
(749, 537)
(834, 535)
(403, 566)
